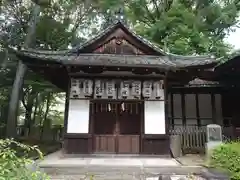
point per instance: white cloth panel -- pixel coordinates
(154, 117)
(191, 112)
(78, 116)
(218, 103)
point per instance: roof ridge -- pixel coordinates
(98, 35)
(191, 56)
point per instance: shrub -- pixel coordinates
(227, 157)
(14, 160)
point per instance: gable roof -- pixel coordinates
(80, 56)
(110, 29)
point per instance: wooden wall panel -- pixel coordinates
(191, 111)
(156, 145)
(77, 145)
(169, 105)
(177, 106)
(128, 144)
(219, 114)
(104, 144)
(199, 109)
(205, 109)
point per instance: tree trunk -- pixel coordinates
(29, 110)
(46, 123)
(19, 79)
(35, 109)
(14, 100)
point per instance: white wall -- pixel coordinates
(154, 117)
(78, 116)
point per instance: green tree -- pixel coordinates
(179, 26)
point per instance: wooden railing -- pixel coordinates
(193, 138)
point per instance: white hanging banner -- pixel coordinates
(78, 116)
(147, 89)
(154, 117)
(75, 90)
(124, 89)
(110, 89)
(158, 90)
(87, 87)
(98, 93)
(136, 89)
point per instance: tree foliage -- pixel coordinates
(180, 26)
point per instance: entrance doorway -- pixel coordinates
(117, 127)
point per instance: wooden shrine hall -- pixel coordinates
(124, 94)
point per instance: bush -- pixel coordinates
(227, 157)
(14, 159)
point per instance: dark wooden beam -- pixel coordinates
(183, 103)
(115, 75)
(213, 105)
(172, 110)
(197, 110)
(166, 103)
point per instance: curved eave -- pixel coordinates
(229, 64)
(51, 70)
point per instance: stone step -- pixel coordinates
(131, 173)
(181, 170)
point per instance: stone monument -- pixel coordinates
(214, 137)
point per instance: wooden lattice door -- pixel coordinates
(104, 128)
(117, 127)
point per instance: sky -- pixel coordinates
(234, 39)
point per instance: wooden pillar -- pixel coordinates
(213, 105)
(183, 103)
(66, 114)
(142, 127)
(197, 110)
(166, 103)
(172, 110)
(66, 106)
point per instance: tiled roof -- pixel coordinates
(166, 62)
(162, 60)
(202, 82)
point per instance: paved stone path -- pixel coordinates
(115, 173)
(107, 168)
(124, 177)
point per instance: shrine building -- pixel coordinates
(124, 94)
